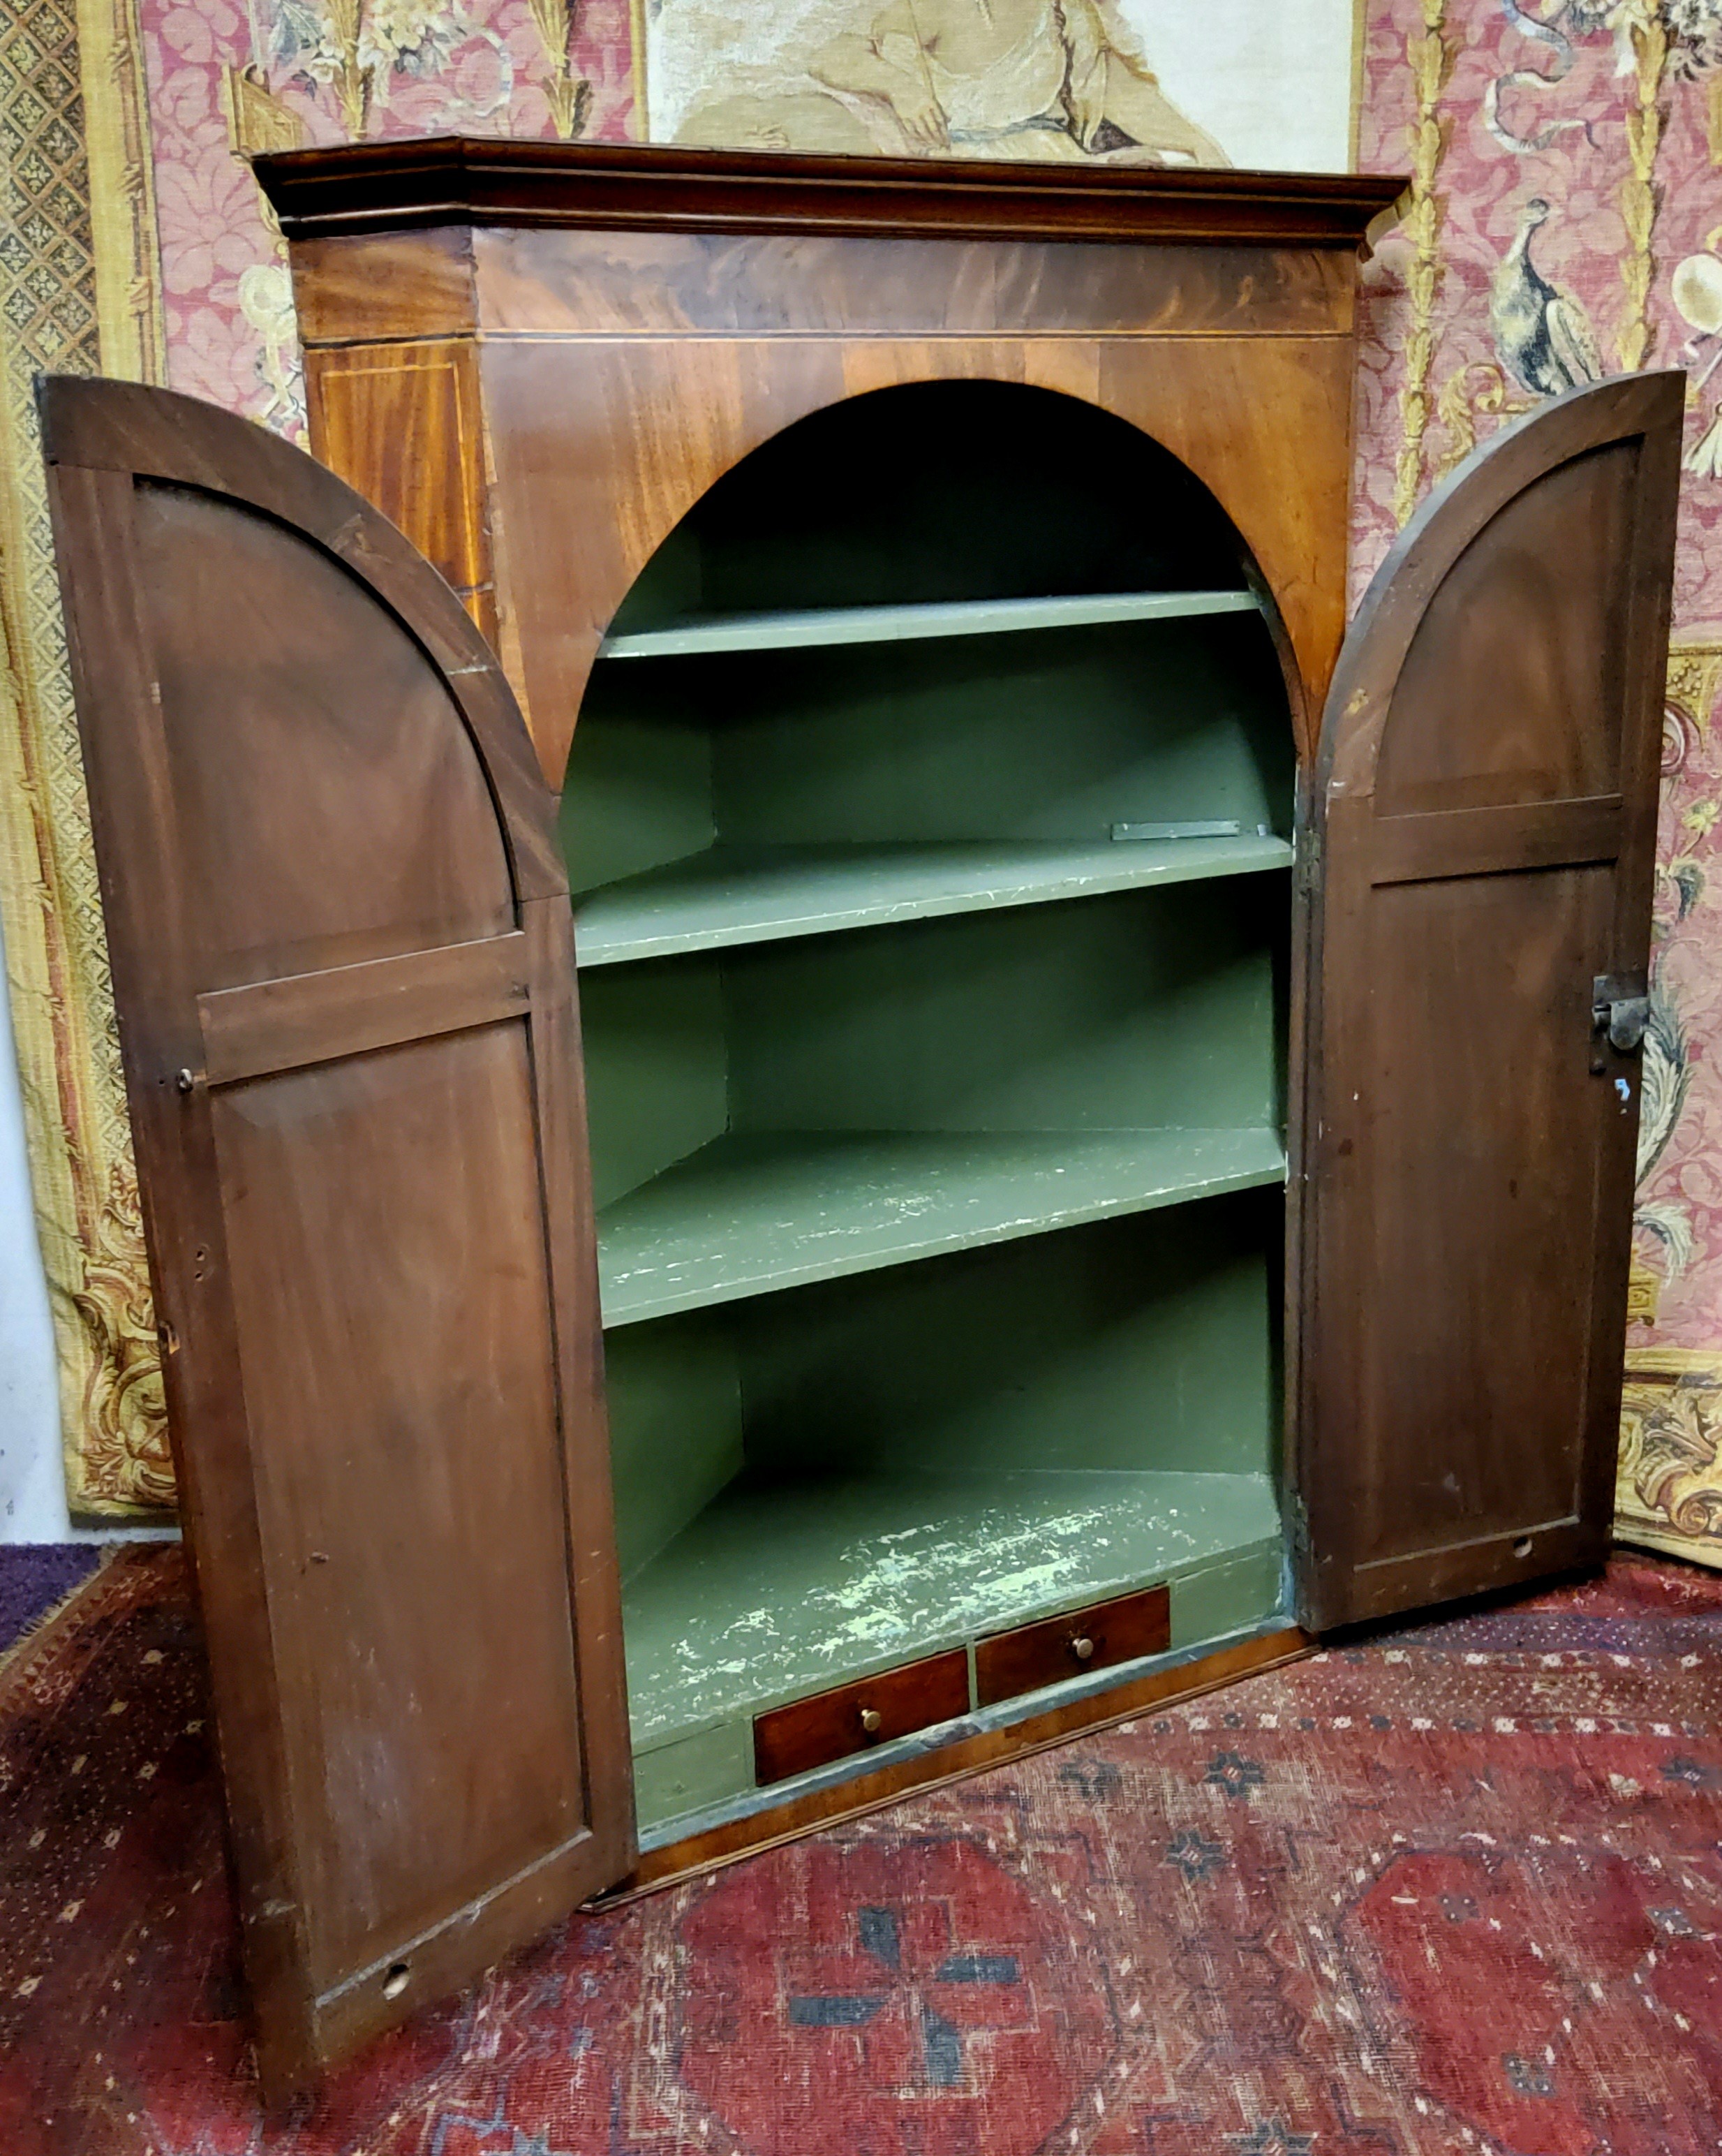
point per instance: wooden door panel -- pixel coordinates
(313, 1017)
(1523, 656)
(1485, 828)
(1480, 1347)
(343, 961)
(364, 767)
(385, 1401)
(1485, 841)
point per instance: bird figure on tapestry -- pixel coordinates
(1543, 334)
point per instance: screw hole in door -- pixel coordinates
(1522, 1546)
(396, 1981)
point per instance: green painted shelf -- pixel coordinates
(744, 1216)
(731, 895)
(898, 624)
(778, 1589)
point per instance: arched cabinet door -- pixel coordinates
(1481, 846)
(342, 958)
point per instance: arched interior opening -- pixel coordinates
(929, 818)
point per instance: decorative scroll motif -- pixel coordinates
(1648, 42)
(77, 294)
(1694, 682)
(1429, 57)
(1669, 1494)
(1458, 405)
(122, 1391)
(1664, 1228)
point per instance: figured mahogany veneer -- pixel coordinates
(537, 356)
(1033, 1657)
(831, 1725)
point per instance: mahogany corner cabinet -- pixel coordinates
(1068, 1171)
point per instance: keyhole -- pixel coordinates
(1522, 1546)
(396, 1981)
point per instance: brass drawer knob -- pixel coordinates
(870, 1720)
(1084, 1650)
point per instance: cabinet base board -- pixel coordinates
(716, 1846)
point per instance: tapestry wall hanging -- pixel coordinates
(1063, 81)
(1563, 160)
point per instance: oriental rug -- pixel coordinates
(1458, 1890)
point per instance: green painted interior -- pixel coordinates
(1046, 738)
(939, 1449)
(729, 894)
(1138, 1010)
(936, 1133)
(945, 491)
(747, 1213)
(828, 626)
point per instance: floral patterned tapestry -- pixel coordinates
(1565, 222)
(133, 241)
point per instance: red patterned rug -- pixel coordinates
(1459, 1890)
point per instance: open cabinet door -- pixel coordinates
(1482, 842)
(343, 963)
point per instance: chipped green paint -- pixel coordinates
(869, 1573)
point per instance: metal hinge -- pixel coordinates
(1308, 867)
(1620, 1007)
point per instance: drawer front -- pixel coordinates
(811, 1732)
(1035, 1656)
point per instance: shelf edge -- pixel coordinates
(817, 630)
(640, 948)
(675, 1303)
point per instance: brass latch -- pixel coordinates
(1620, 1007)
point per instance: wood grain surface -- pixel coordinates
(343, 963)
(869, 1791)
(1034, 1656)
(872, 1710)
(454, 180)
(1484, 839)
(618, 328)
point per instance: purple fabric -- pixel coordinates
(33, 1576)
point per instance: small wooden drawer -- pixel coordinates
(811, 1732)
(1036, 1656)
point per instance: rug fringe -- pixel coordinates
(32, 1635)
